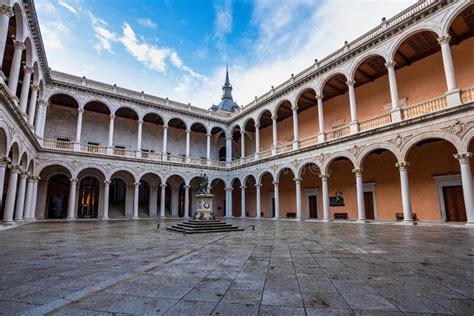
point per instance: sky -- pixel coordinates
(179, 48)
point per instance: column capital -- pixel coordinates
(187, 130)
(357, 171)
(276, 183)
(5, 160)
(274, 117)
(350, 83)
(140, 122)
(228, 137)
(442, 40)
(19, 45)
(294, 108)
(43, 103)
(297, 180)
(108, 182)
(208, 134)
(36, 178)
(187, 187)
(242, 132)
(80, 110)
(390, 65)
(35, 87)
(23, 175)
(28, 70)
(165, 126)
(228, 189)
(73, 180)
(257, 126)
(324, 176)
(163, 185)
(320, 97)
(136, 184)
(15, 168)
(112, 116)
(243, 187)
(258, 185)
(463, 157)
(6, 10)
(402, 165)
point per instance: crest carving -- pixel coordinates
(399, 140)
(459, 128)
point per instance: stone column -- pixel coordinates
(275, 135)
(105, 215)
(15, 68)
(186, 201)
(135, 200)
(4, 161)
(6, 12)
(395, 112)
(467, 189)
(80, 112)
(242, 202)
(354, 125)
(188, 143)
(242, 145)
(405, 188)
(20, 198)
(258, 200)
(453, 96)
(139, 139)
(360, 195)
(208, 148)
(295, 127)
(165, 143)
(11, 195)
(71, 210)
(257, 141)
(32, 106)
(298, 198)
(41, 118)
(29, 198)
(110, 143)
(276, 192)
(34, 198)
(25, 88)
(228, 209)
(163, 198)
(228, 146)
(321, 135)
(325, 187)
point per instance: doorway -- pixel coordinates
(312, 203)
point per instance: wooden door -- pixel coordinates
(369, 205)
(313, 206)
(454, 204)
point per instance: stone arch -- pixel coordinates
(372, 147)
(392, 50)
(31, 166)
(303, 90)
(327, 77)
(450, 138)
(97, 104)
(3, 142)
(24, 160)
(261, 113)
(150, 115)
(177, 174)
(262, 174)
(247, 177)
(20, 25)
(59, 163)
(62, 94)
(213, 178)
(193, 125)
(356, 64)
(235, 179)
(279, 104)
(28, 52)
(452, 15)
(336, 155)
(283, 168)
(127, 170)
(304, 164)
(126, 110)
(14, 150)
(51, 170)
(466, 140)
(177, 122)
(36, 73)
(90, 170)
(146, 172)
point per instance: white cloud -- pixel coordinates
(54, 34)
(223, 22)
(147, 23)
(47, 7)
(66, 5)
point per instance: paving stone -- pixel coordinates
(281, 298)
(244, 297)
(281, 311)
(225, 308)
(324, 301)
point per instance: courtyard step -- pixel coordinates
(203, 227)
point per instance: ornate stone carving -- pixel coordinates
(459, 128)
(399, 140)
(355, 150)
(320, 157)
(6, 10)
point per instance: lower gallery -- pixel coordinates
(381, 131)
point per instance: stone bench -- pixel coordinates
(340, 216)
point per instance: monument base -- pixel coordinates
(204, 206)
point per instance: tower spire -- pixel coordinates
(227, 87)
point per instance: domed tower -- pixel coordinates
(227, 103)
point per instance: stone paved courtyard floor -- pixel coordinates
(281, 268)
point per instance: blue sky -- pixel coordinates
(178, 48)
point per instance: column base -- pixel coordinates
(77, 146)
(453, 98)
(326, 220)
(276, 218)
(321, 137)
(396, 115)
(70, 218)
(362, 221)
(354, 127)
(257, 156)
(138, 154)
(274, 151)
(408, 223)
(135, 217)
(296, 145)
(110, 151)
(209, 162)
(104, 218)
(8, 223)
(469, 224)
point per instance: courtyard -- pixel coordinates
(280, 268)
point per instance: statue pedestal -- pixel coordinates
(204, 205)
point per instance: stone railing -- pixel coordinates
(375, 122)
(338, 132)
(95, 149)
(308, 141)
(284, 148)
(57, 144)
(124, 152)
(265, 153)
(467, 95)
(424, 107)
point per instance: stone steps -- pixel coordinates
(203, 227)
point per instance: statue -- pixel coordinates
(204, 185)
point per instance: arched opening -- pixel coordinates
(418, 62)
(267, 196)
(284, 114)
(121, 194)
(342, 189)
(15, 31)
(372, 90)
(462, 45)
(198, 141)
(193, 188)
(90, 193)
(236, 198)
(175, 183)
(53, 192)
(218, 189)
(249, 138)
(125, 131)
(266, 133)
(95, 125)
(149, 201)
(152, 134)
(218, 152)
(311, 199)
(336, 107)
(435, 184)
(287, 190)
(381, 184)
(177, 137)
(3, 143)
(308, 118)
(236, 147)
(144, 199)
(250, 196)
(61, 118)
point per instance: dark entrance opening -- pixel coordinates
(57, 196)
(454, 204)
